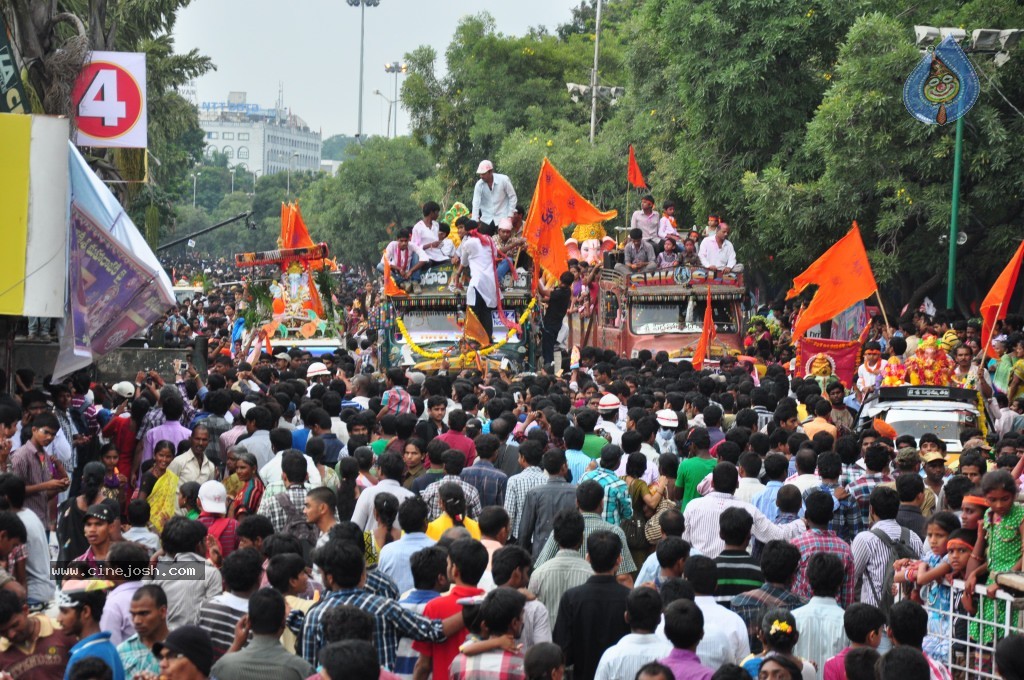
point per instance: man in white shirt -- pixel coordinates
(647, 220)
(392, 467)
(642, 645)
(427, 237)
(406, 259)
(716, 252)
(482, 292)
(494, 197)
(702, 574)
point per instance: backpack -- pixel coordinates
(295, 524)
(901, 549)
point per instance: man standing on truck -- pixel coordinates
(558, 302)
(494, 197)
(477, 252)
(717, 254)
(647, 220)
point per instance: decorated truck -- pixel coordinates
(426, 328)
(663, 310)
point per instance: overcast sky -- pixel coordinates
(312, 48)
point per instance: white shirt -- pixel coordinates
(822, 633)
(258, 444)
(492, 203)
(630, 654)
(480, 261)
(271, 472)
(805, 482)
(392, 253)
(37, 558)
(702, 525)
(749, 489)
(717, 617)
(719, 256)
(363, 513)
(422, 235)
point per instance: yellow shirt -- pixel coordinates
(443, 523)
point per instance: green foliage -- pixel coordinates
(357, 211)
(334, 148)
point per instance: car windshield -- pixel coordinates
(948, 430)
(681, 317)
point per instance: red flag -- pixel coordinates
(633, 174)
(556, 204)
(707, 334)
(993, 307)
(843, 276)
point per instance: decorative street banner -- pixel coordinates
(944, 86)
(12, 94)
(821, 359)
(110, 101)
(117, 287)
(849, 324)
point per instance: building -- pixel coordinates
(263, 141)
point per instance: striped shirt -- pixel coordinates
(738, 572)
(550, 580)
(185, 597)
(626, 657)
(219, 616)
(702, 523)
(591, 522)
(871, 557)
(516, 490)
(405, 656)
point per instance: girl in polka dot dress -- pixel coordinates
(998, 549)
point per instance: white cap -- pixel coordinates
(505, 223)
(284, 356)
(608, 402)
(244, 407)
(124, 389)
(667, 418)
(214, 497)
(485, 166)
(317, 368)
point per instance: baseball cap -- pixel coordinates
(668, 418)
(193, 643)
(124, 389)
(485, 166)
(608, 402)
(284, 356)
(214, 497)
(317, 368)
(101, 511)
(73, 593)
(977, 443)
(908, 455)
(932, 456)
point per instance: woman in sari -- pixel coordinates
(160, 486)
(328, 477)
(246, 501)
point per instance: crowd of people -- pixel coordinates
(628, 518)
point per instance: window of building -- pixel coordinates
(211, 135)
(229, 135)
(243, 136)
(229, 152)
(210, 150)
(243, 151)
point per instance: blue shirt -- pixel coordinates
(395, 556)
(765, 501)
(98, 646)
(578, 462)
(299, 439)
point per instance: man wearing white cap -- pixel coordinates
(493, 196)
(508, 245)
(608, 407)
(213, 508)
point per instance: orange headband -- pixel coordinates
(957, 543)
(976, 500)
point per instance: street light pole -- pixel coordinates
(593, 75)
(954, 215)
(387, 128)
(362, 52)
(395, 67)
(255, 174)
(289, 189)
(195, 180)
(232, 180)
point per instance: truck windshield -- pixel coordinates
(443, 326)
(681, 317)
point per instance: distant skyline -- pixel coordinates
(313, 50)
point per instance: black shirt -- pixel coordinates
(591, 618)
(558, 306)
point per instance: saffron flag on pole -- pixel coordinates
(633, 174)
(707, 334)
(474, 331)
(993, 307)
(555, 205)
(843, 276)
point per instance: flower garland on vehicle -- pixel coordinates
(484, 352)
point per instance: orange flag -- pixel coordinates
(390, 287)
(707, 334)
(843, 276)
(993, 307)
(555, 205)
(633, 174)
(474, 330)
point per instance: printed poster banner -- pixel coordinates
(848, 325)
(12, 93)
(117, 287)
(821, 358)
(110, 101)
(943, 86)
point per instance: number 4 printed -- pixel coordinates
(100, 99)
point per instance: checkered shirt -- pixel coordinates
(432, 496)
(516, 490)
(617, 503)
(846, 521)
(817, 541)
(861, 491)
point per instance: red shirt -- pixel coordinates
(46, 659)
(228, 538)
(459, 442)
(443, 653)
(121, 432)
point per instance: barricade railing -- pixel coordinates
(965, 643)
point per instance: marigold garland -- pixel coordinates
(490, 349)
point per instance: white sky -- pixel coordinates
(312, 47)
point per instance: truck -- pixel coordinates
(663, 310)
(432, 321)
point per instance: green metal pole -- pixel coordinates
(954, 213)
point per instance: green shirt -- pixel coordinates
(691, 472)
(379, 445)
(592, 445)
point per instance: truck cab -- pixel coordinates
(663, 310)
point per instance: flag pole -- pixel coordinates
(882, 307)
(625, 213)
(992, 333)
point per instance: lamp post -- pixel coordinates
(395, 67)
(362, 5)
(232, 180)
(390, 103)
(290, 159)
(195, 180)
(255, 174)
(983, 41)
(593, 75)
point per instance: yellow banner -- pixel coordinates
(16, 142)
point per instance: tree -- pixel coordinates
(334, 147)
(358, 211)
